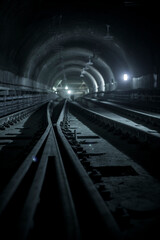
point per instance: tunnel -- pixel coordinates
(43, 44)
(79, 119)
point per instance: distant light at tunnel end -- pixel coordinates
(54, 89)
(125, 76)
(69, 92)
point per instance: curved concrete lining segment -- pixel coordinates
(51, 52)
(109, 58)
(103, 72)
(99, 78)
(89, 79)
(49, 71)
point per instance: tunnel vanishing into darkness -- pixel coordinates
(45, 46)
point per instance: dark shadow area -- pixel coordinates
(110, 171)
(56, 111)
(49, 220)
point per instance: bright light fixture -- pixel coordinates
(125, 77)
(69, 91)
(66, 87)
(54, 89)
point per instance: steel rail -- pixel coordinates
(137, 114)
(10, 189)
(26, 219)
(109, 225)
(140, 132)
(68, 209)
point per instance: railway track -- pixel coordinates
(74, 184)
(19, 133)
(140, 129)
(141, 99)
(137, 125)
(150, 119)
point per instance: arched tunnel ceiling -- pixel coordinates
(43, 61)
(58, 63)
(46, 41)
(61, 70)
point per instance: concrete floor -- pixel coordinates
(137, 193)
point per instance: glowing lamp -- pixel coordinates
(125, 77)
